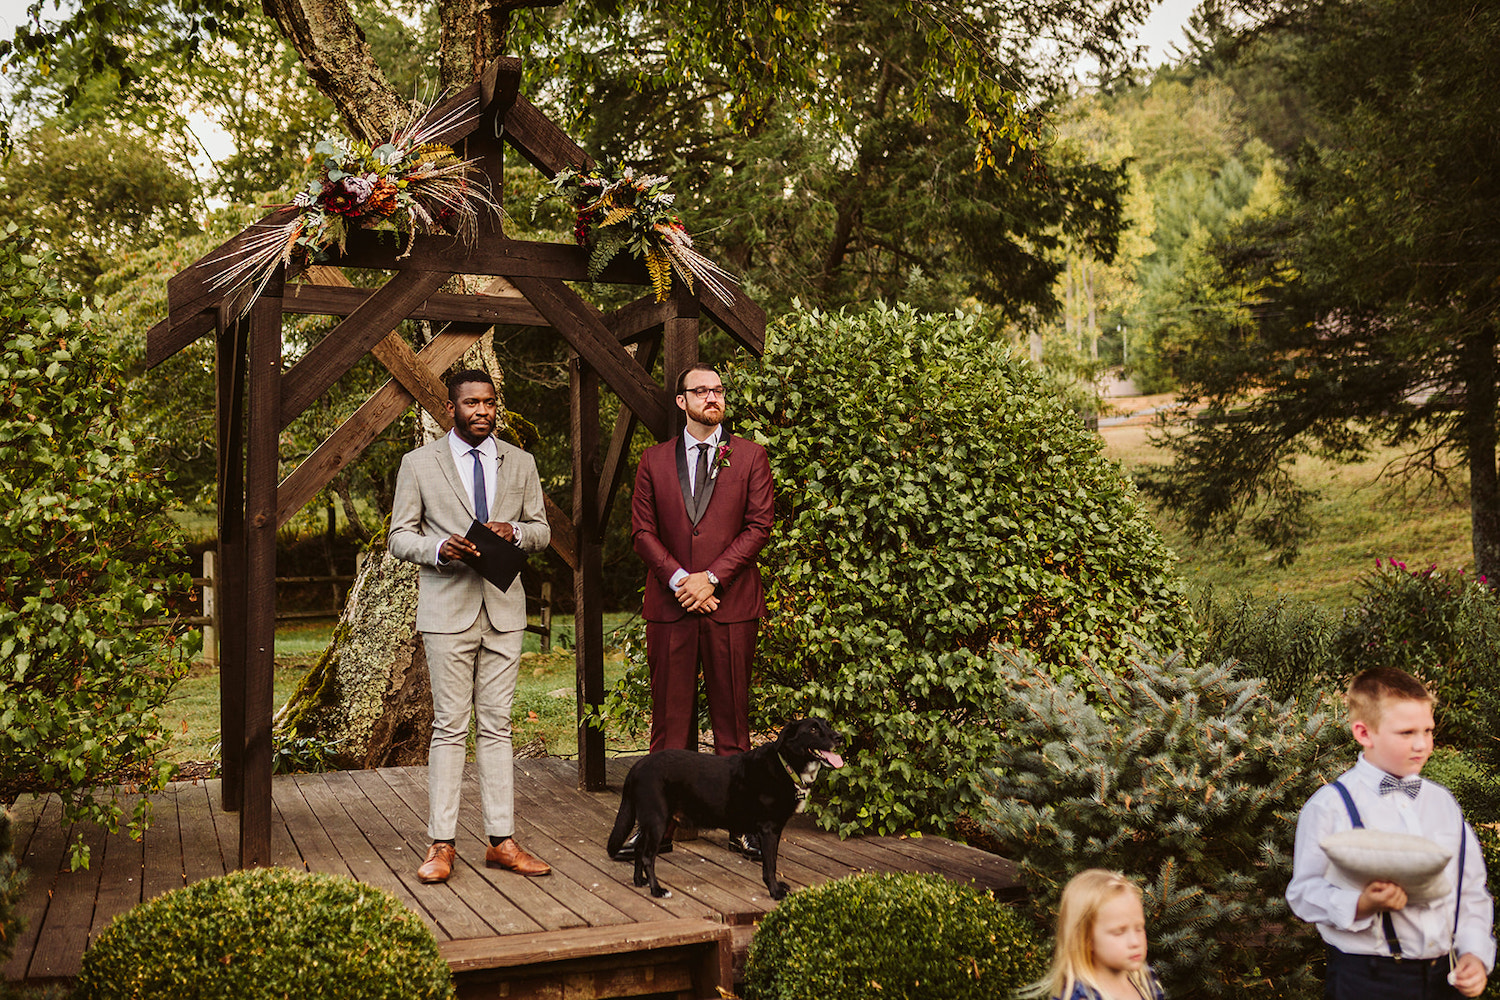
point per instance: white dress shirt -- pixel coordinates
(488, 458)
(1424, 931)
(691, 443)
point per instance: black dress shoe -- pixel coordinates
(747, 844)
(627, 849)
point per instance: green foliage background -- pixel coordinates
(935, 501)
(84, 548)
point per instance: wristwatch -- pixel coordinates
(711, 578)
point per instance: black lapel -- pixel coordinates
(682, 477)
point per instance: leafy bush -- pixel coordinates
(1189, 780)
(1444, 629)
(1287, 642)
(266, 933)
(82, 538)
(1478, 792)
(935, 500)
(918, 937)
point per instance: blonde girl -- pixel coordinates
(1100, 952)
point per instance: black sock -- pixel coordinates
(450, 843)
(497, 841)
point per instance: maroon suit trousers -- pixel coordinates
(727, 652)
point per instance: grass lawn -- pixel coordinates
(544, 709)
(1358, 518)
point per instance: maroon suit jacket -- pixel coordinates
(730, 532)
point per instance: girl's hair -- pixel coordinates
(1073, 950)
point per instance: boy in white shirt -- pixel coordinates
(1380, 947)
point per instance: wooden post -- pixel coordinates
(546, 613)
(588, 615)
(210, 609)
(679, 348)
(262, 453)
(229, 379)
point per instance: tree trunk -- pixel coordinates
(1480, 400)
(370, 693)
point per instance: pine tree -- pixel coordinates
(1187, 779)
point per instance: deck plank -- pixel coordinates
(71, 914)
(372, 825)
(530, 899)
(572, 827)
(450, 913)
(300, 810)
(120, 879)
(43, 857)
(202, 856)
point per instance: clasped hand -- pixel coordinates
(696, 593)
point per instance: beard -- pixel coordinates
(703, 415)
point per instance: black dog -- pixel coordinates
(754, 792)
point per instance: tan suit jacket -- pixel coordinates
(430, 505)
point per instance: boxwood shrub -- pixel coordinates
(267, 933)
(893, 937)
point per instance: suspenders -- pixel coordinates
(1387, 924)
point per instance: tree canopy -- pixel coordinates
(1373, 293)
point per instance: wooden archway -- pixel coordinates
(256, 398)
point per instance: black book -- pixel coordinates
(499, 560)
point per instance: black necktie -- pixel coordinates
(700, 472)
(1410, 786)
(481, 502)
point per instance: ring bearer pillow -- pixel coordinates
(1361, 856)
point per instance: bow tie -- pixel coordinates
(1390, 783)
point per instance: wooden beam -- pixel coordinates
(679, 349)
(564, 536)
(396, 355)
(188, 293)
(639, 320)
(440, 307)
(263, 382)
(588, 577)
(617, 458)
(493, 255)
(537, 138)
(743, 319)
(352, 339)
(229, 414)
(586, 333)
(354, 435)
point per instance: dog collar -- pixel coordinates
(802, 785)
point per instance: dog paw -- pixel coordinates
(661, 893)
(779, 890)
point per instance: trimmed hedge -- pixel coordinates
(267, 934)
(892, 937)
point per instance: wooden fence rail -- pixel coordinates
(210, 617)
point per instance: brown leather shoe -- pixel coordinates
(439, 863)
(513, 857)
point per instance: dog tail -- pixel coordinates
(624, 823)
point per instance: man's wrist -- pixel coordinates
(711, 578)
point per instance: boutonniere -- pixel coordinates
(721, 459)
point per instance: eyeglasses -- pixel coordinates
(703, 392)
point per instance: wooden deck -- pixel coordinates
(504, 935)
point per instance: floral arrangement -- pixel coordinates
(409, 185)
(630, 211)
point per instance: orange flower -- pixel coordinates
(383, 199)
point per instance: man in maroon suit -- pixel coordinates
(701, 513)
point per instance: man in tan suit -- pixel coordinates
(471, 629)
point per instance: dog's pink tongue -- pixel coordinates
(831, 759)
